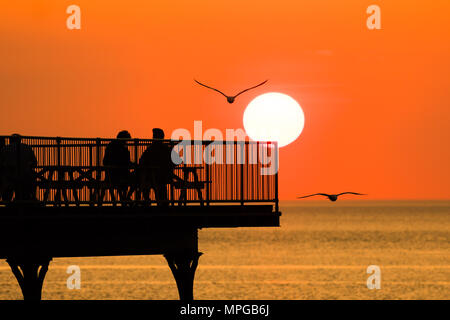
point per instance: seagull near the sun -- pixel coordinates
(332, 197)
(231, 99)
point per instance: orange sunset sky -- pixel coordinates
(376, 102)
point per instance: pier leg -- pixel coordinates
(30, 274)
(183, 266)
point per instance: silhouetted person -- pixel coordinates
(156, 168)
(117, 161)
(2, 145)
(18, 161)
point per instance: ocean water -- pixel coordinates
(321, 251)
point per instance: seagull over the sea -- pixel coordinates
(231, 99)
(332, 197)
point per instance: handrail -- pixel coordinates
(70, 171)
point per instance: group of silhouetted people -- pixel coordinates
(153, 171)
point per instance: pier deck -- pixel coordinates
(71, 209)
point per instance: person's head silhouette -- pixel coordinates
(124, 134)
(158, 133)
(15, 138)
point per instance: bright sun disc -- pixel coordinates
(274, 116)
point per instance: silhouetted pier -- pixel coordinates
(74, 211)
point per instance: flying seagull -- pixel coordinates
(332, 197)
(230, 99)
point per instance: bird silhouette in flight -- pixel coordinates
(231, 99)
(332, 197)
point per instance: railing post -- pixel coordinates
(58, 171)
(276, 178)
(98, 172)
(19, 187)
(91, 162)
(136, 144)
(58, 151)
(137, 191)
(208, 188)
(259, 161)
(242, 170)
(91, 191)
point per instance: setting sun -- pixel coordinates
(274, 117)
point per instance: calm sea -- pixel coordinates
(321, 251)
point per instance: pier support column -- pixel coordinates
(30, 274)
(183, 266)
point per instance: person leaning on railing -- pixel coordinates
(117, 162)
(17, 161)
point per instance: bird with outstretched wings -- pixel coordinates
(230, 99)
(332, 197)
